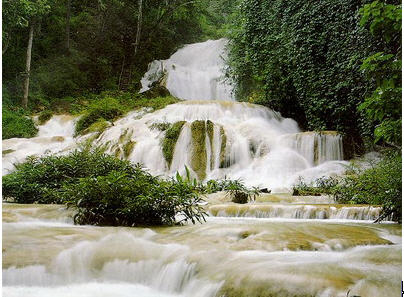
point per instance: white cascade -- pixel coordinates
(247, 141)
(194, 72)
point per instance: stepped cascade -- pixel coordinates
(280, 244)
(215, 137)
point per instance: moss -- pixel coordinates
(44, 116)
(98, 127)
(128, 148)
(223, 160)
(107, 108)
(198, 161)
(316, 152)
(162, 126)
(118, 152)
(255, 289)
(209, 130)
(5, 152)
(170, 139)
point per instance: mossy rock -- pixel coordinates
(223, 160)
(128, 148)
(156, 91)
(240, 197)
(9, 151)
(209, 130)
(170, 140)
(44, 116)
(314, 192)
(198, 161)
(97, 127)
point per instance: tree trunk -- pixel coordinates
(139, 25)
(28, 66)
(69, 3)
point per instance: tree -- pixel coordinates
(383, 105)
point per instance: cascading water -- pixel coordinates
(280, 244)
(194, 72)
(220, 138)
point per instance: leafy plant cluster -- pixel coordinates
(383, 104)
(235, 189)
(379, 184)
(104, 190)
(304, 59)
(15, 123)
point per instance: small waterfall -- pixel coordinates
(316, 147)
(291, 211)
(194, 72)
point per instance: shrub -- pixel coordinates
(44, 116)
(107, 108)
(104, 190)
(39, 179)
(238, 192)
(121, 199)
(380, 184)
(16, 124)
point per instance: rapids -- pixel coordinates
(279, 245)
(44, 254)
(248, 141)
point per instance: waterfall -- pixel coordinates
(194, 72)
(219, 138)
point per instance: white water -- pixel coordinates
(284, 257)
(55, 136)
(194, 72)
(285, 245)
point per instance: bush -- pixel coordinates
(16, 124)
(44, 116)
(238, 192)
(378, 185)
(107, 108)
(381, 184)
(121, 199)
(104, 190)
(39, 179)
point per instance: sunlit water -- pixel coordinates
(44, 254)
(279, 245)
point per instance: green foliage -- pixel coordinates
(104, 190)
(44, 116)
(107, 108)
(302, 58)
(383, 105)
(383, 19)
(40, 179)
(238, 192)
(17, 124)
(101, 54)
(170, 139)
(98, 126)
(380, 184)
